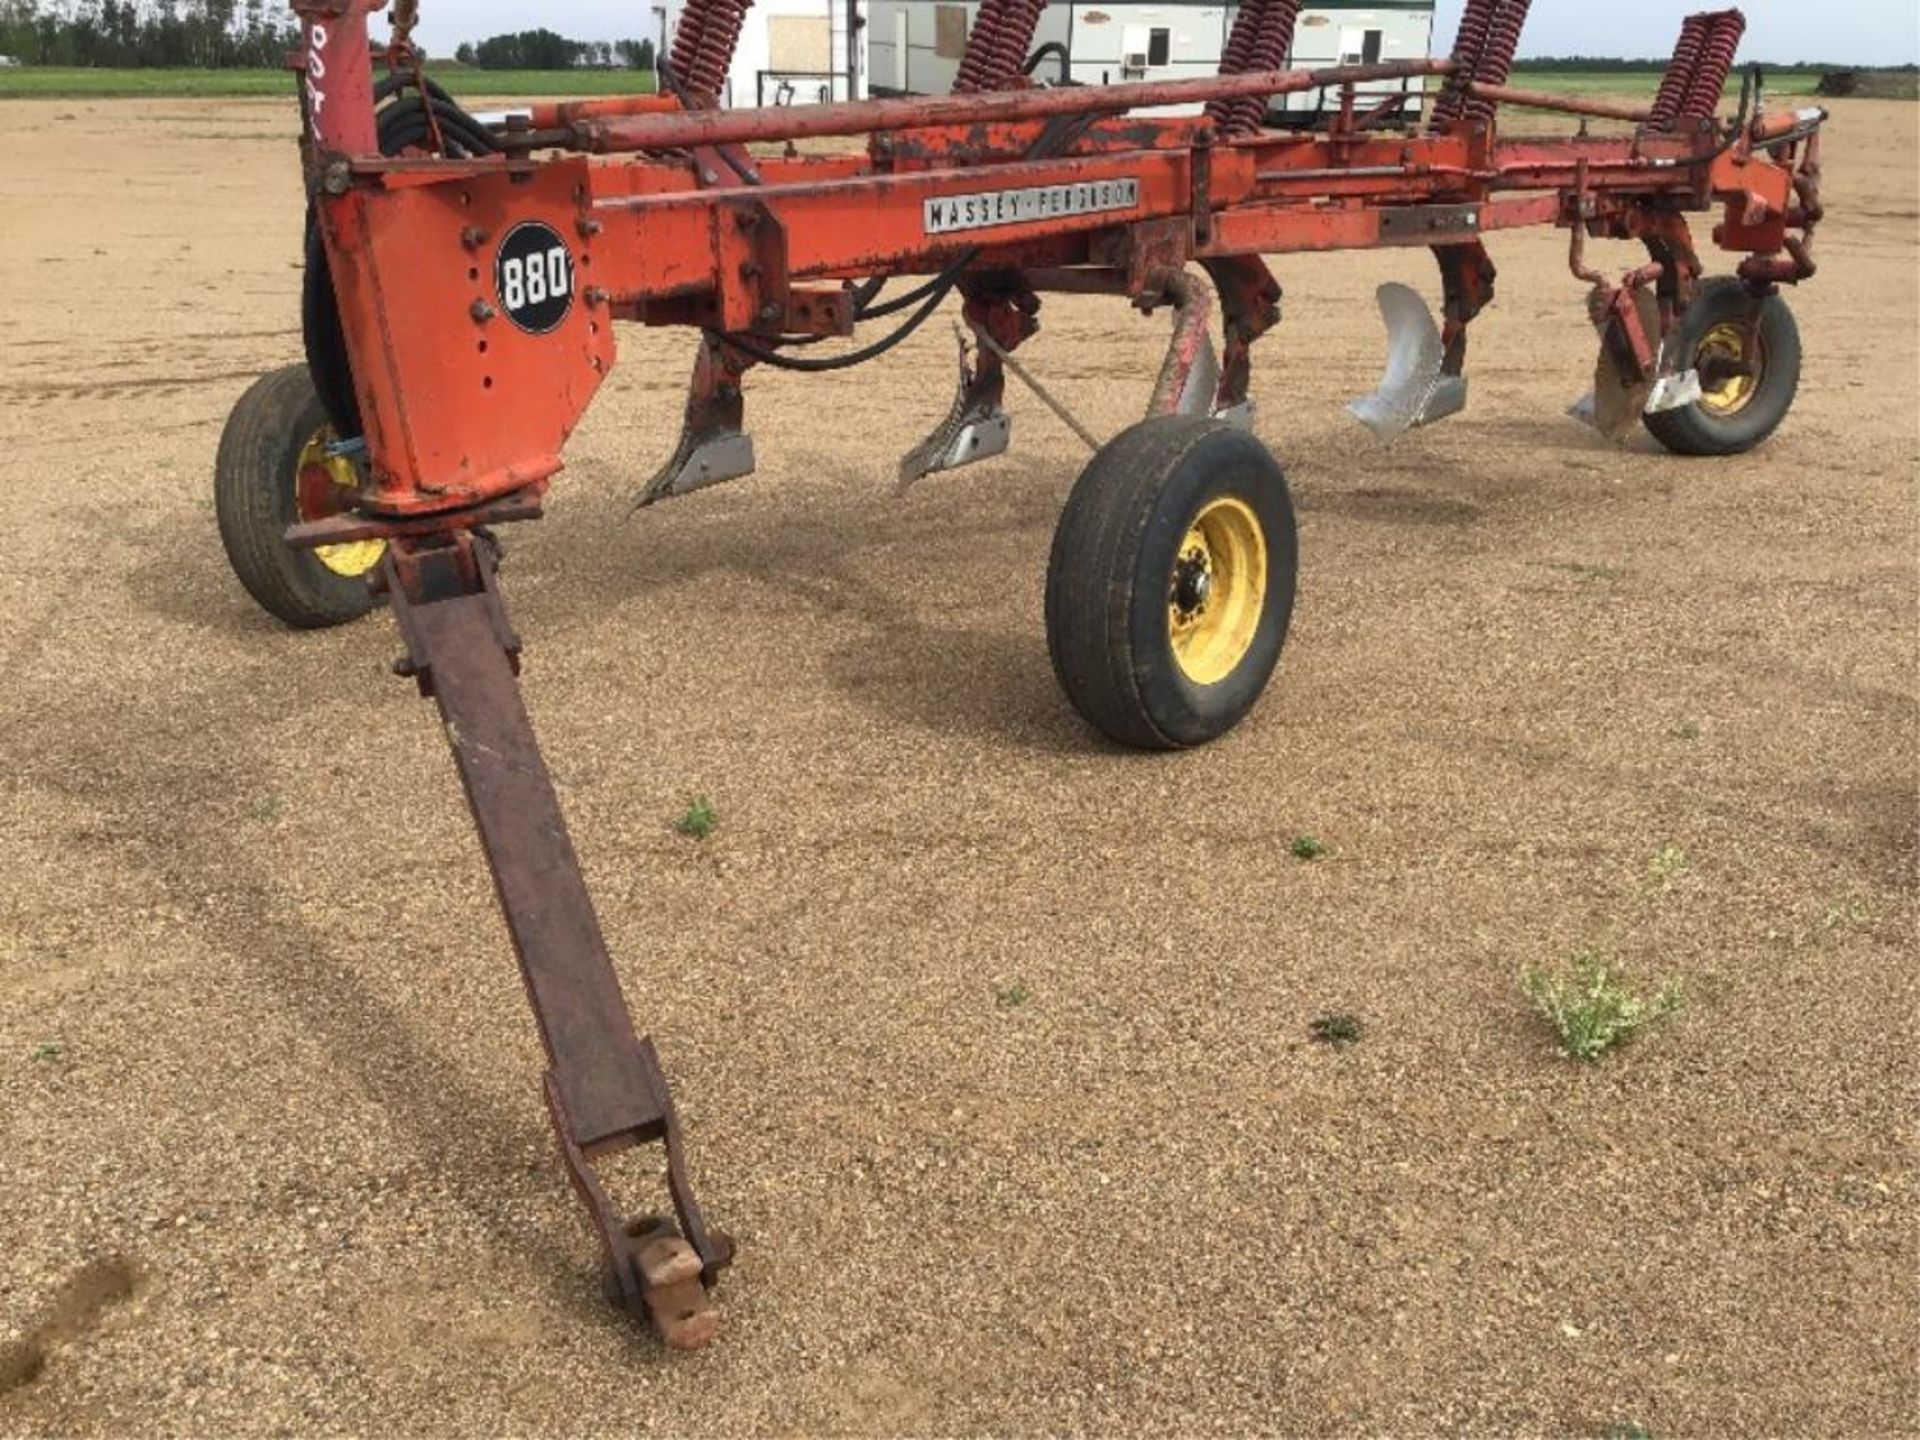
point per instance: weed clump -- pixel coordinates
(1591, 1006)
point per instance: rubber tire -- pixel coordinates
(1113, 551)
(1693, 430)
(253, 499)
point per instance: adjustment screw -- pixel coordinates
(596, 295)
(473, 237)
(481, 311)
(589, 228)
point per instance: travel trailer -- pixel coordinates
(914, 46)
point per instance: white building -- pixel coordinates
(792, 52)
(914, 46)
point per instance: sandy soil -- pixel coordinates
(274, 1154)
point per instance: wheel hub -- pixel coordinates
(1217, 590)
(1729, 359)
(1192, 583)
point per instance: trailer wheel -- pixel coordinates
(1171, 582)
(273, 469)
(1747, 351)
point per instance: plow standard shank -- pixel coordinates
(603, 1086)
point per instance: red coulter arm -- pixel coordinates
(476, 295)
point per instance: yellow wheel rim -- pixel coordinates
(324, 485)
(1728, 341)
(1217, 591)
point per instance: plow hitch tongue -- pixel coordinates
(604, 1088)
(1414, 390)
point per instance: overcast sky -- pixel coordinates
(1877, 32)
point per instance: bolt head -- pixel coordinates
(481, 311)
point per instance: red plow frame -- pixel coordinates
(465, 277)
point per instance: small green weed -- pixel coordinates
(1011, 997)
(1685, 730)
(1849, 912)
(1668, 865)
(1306, 847)
(1846, 913)
(268, 808)
(699, 820)
(48, 1050)
(1338, 1027)
(1626, 1430)
(1591, 1006)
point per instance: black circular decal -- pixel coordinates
(533, 275)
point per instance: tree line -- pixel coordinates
(544, 50)
(1614, 64)
(209, 34)
(230, 34)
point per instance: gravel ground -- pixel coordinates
(991, 1042)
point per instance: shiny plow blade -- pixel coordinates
(975, 427)
(1413, 391)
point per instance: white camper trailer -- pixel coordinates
(793, 52)
(914, 46)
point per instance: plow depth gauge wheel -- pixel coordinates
(274, 469)
(1171, 582)
(1747, 351)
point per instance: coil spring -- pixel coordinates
(1016, 39)
(1716, 63)
(1469, 41)
(686, 37)
(719, 35)
(1495, 61)
(1233, 60)
(997, 46)
(1678, 78)
(976, 61)
(1268, 51)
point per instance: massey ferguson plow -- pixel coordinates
(464, 277)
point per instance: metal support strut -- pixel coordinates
(604, 1087)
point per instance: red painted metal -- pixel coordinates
(660, 215)
(1716, 62)
(1678, 78)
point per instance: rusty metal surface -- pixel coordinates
(1428, 224)
(1562, 104)
(1189, 375)
(348, 527)
(860, 117)
(604, 1088)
